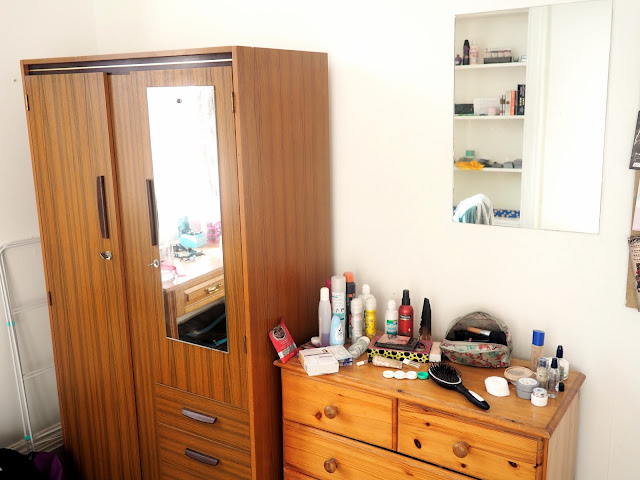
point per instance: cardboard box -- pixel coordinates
(318, 361)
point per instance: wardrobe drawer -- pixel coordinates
(185, 456)
(202, 416)
(340, 410)
(203, 293)
(324, 455)
(465, 447)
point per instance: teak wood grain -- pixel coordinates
(357, 414)
(71, 145)
(307, 449)
(282, 130)
(429, 435)
(231, 425)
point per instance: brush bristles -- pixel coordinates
(445, 372)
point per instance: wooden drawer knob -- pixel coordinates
(331, 465)
(331, 411)
(461, 449)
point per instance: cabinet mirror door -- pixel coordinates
(185, 213)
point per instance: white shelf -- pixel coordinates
(491, 118)
(491, 170)
(491, 65)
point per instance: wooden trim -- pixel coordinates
(282, 132)
(562, 445)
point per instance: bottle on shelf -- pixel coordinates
(357, 319)
(537, 348)
(465, 53)
(553, 379)
(338, 294)
(370, 317)
(563, 363)
(350, 295)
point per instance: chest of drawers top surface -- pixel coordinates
(509, 413)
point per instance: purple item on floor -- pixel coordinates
(49, 464)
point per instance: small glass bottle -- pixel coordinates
(537, 348)
(563, 364)
(553, 379)
(541, 372)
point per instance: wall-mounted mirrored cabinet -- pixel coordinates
(529, 115)
(186, 184)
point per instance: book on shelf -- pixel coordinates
(520, 99)
(512, 104)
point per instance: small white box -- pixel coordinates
(318, 361)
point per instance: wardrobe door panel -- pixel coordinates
(216, 371)
(71, 145)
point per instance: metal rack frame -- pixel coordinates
(51, 437)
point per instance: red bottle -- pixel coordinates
(405, 316)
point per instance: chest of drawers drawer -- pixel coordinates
(185, 456)
(203, 417)
(465, 447)
(322, 455)
(337, 409)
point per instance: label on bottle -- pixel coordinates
(338, 307)
(392, 326)
(370, 323)
(405, 325)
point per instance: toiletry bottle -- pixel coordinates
(337, 331)
(370, 317)
(357, 320)
(473, 55)
(553, 379)
(405, 313)
(338, 292)
(458, 60)
(391, 318)
(327, 283)
(366, 293)
(324, 317)
(537, 348)
(542, 372)
(465, 53)
(351, 294)
(425, 323)
(563, 364)
(358, 348)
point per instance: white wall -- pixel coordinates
(391, 90)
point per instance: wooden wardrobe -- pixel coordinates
(136, 401)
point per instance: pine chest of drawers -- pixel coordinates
(356, 424)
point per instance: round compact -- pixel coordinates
(539, 397)
(497, 386)
(388, 373)
(399, 374)
(412, 375)
(514, 373)
(524, 387)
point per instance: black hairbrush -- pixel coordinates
(449, 377)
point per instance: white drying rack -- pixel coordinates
(50, 437)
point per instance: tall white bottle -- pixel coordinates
(338, 299)
(391, 318)
(324, 317)
(357, 319)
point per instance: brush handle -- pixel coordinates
(473, 397)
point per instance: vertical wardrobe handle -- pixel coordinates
(153, 221)
(102, 207)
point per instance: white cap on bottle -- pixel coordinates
(370, 304)
(324, 294)
(391, 305)
(356, 305)
(366, 289)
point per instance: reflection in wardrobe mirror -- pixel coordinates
(553, 149)
(186, 184)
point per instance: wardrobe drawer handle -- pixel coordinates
(102, 207)
(213, 289)
(201, 457)
(461, 449)
(201, 417)
(153, 214)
